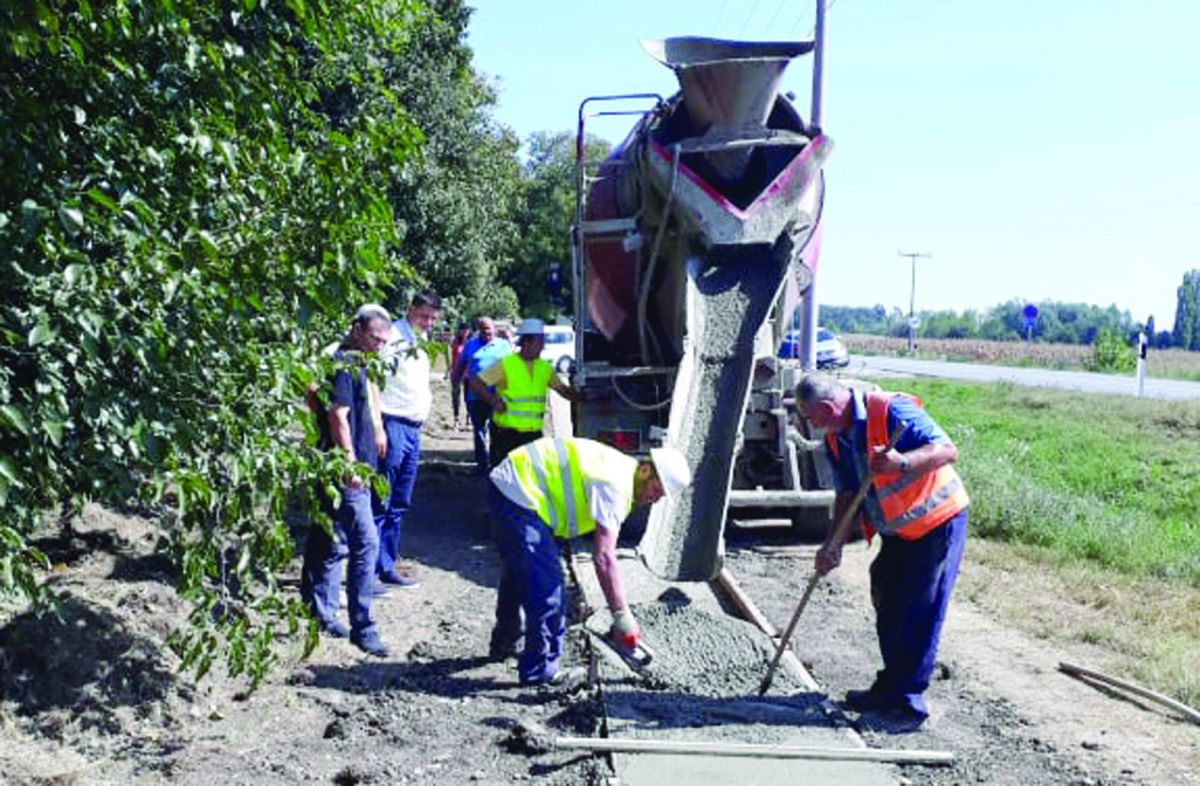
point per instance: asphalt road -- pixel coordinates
(1084, 381)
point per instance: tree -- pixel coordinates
(1186, 333)
(194, 198)
(547, 214)
(458, 201)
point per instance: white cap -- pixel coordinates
(531, 327)
(368, 310)
(672, 470)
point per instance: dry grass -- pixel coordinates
(1167, 363)
(1151, 628)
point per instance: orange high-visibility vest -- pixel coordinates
(911, 504)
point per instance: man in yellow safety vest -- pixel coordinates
(521, 381)
(555, 489)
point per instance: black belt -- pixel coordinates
(402, 421)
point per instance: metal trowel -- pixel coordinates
(637, 658)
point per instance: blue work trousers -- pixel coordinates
(480, 413)
(531, 580)
(400, 469)
(321, 581)
(911, 583)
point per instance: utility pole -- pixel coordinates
(912, 296)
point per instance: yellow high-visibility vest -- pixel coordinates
(556, 473)
(523, 394)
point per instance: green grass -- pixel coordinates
(1108, 480)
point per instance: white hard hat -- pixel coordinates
(531, 327)
(672, 470)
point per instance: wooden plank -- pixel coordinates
(749, 750)
(1079, 671)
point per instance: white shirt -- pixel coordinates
(405, 391)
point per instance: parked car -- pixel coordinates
(831, 352)
(560, 347)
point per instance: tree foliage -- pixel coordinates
(1057, 322)
(548, 211)
(1186, 333)
(459, 201)
(193, 193)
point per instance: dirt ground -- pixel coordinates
(98, 700)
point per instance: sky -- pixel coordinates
(1037, 150)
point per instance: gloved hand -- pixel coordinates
(625, 630)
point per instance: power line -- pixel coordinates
(720, 13)
(771, 21)
(749, 16)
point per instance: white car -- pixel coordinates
(830, 349)
(559, 348)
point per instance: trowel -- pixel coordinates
(636, 659)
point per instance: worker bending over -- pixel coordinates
(554, 489)
(521, 381)
(918, 505)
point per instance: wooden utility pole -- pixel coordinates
(912, 297)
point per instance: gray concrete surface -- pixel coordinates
(702, 686)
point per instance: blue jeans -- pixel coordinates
(400, 469)
(480, 413)
(321, 581)
(530, 580)
(911, 582)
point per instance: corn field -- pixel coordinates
(1166, 363)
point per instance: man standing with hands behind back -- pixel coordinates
(405, 400)
(918, 505)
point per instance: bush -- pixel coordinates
(1111, 354)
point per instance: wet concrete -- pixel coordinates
(729, 296)
(702, 686)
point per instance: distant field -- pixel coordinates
(1166, 363)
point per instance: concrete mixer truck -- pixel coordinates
(694, 247)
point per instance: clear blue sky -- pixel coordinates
(1038, 149)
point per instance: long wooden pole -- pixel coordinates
(748, 750)
(1183, 709)
(837, 535)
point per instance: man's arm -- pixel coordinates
(377, 421)
(339, 432)
(604, 558)
(566, 391)
(926, 458)
(829, 556)
(492, 376)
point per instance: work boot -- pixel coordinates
(863, 700)
(370, 643)
(896, 719)
(334, 629)
(395, 579)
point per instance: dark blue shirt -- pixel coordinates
(350, 389)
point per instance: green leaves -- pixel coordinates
(173, 181)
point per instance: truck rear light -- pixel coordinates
(621, 439)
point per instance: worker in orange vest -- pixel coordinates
(917, 504)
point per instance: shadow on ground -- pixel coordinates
(82, 660)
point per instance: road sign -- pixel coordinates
(1031, 311)
(914, 322)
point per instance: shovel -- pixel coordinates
(837, 535)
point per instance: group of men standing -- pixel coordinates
(377, 427)
(545, 490)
